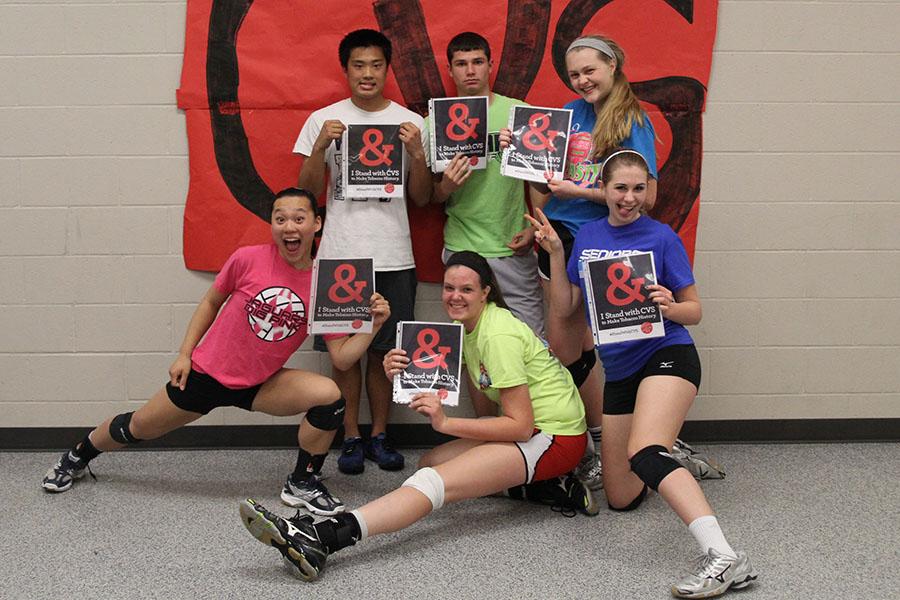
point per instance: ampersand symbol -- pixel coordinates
(537, 124)
(344, 275)
(459, 120)
(371, 140)
(433, 357)
(618, 274)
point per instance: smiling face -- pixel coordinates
(366, 72)
(471, 72)
(463, 296)
(626, 192)
(294, 228)
(591, 74)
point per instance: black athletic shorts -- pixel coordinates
(202, 393)
(679, 360)
(567, 239)
(399, 289)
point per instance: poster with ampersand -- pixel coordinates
(458, 126)
(342, 289)
(373, 161)
(434, 351)
(618, 298)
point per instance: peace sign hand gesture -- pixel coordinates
(544, 234)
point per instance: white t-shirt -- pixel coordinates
(361, 227)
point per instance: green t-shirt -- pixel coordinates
(487, 211)
(503, 352)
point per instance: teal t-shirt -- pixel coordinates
(487, 211)
(503, 352)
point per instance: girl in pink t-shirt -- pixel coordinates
(233, 354)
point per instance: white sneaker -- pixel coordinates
(311, 495)
(700, 465)
(714, 574)
(590, 473)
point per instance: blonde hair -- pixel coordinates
(620, 108)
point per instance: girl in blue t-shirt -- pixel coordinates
(650, 384)
(606, 116)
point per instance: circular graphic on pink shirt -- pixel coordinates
(276, 313)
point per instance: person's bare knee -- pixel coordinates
(428, 460)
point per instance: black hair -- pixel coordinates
(486, 278)
(295, 192)
(363, 38)
(467, 41)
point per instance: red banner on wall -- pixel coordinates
(253, 71)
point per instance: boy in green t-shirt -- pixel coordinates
(485, 209)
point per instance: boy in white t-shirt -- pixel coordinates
(367, 227)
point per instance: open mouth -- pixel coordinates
(292, 244)
(626, 211)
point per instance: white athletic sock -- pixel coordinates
(708, 534)
(363, 528)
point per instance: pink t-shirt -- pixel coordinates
(263, 321)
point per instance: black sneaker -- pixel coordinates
(352, 461)
(380, 450)
(63, 474)
(312, 495)
(565, 495)
(294, 538)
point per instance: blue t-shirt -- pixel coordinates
(584, 171)
(599, 239)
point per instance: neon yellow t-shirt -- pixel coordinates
(503, 352)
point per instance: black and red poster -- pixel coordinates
(373, 161)
(435, 361)
(342, 288)
(253, 71)
(540, 138)
(458, 126)
(618, 299)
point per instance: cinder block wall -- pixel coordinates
(798, 253)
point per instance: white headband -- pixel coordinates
(617, 153)
(589, 42)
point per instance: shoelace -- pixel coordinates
(383, 444)
(69, 466)
(300, 517)
(352, 446)
(315, 484)
(710, 567)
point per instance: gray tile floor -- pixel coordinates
(819, 521)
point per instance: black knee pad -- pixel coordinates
(581, 368)
(328, 417)
(633, 504)
(120, 429)
(653, 464)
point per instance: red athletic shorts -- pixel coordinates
(548, 456)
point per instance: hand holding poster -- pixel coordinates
(458, 126)
(373, 161)
(618, 299)
(341, 291)
(435, 361)
(539, 142)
